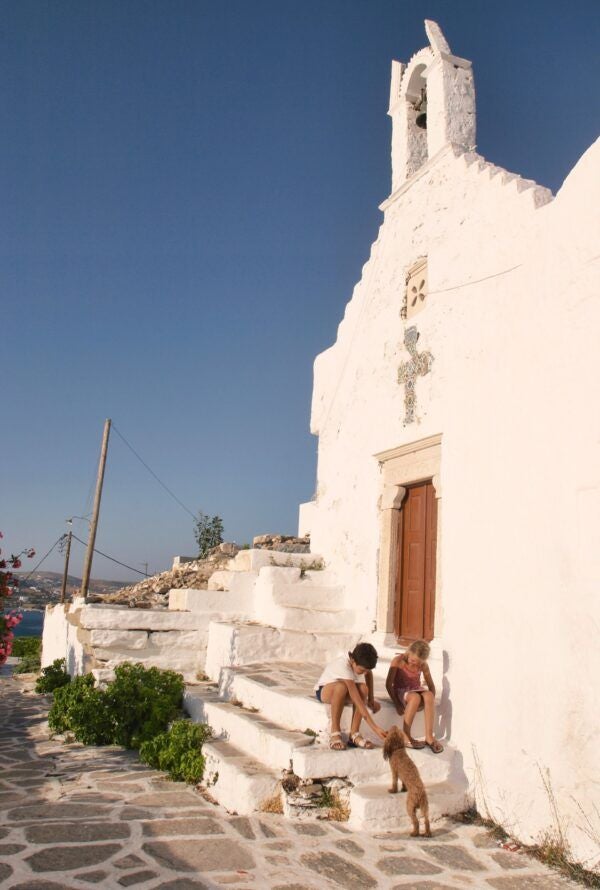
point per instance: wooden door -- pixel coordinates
(415, 585)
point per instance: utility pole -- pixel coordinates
(89, 553)
(145, 564)
(66, 572)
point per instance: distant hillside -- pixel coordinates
(44, 587)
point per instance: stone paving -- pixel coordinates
(74, 817)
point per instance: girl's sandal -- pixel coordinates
(357, 741)
(336, 743)
(435, 746)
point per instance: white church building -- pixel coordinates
(458, 499)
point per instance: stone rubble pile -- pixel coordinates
(152, 593)
(282, 543)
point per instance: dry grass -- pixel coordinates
(337, 810)
(272, 804)
(552, 850)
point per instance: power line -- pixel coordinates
(26, 578)
(152, 473)
(112, 559)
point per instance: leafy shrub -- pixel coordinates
(133, 708)
(208, 532)
(53, 677)
(178, 751)
(30, 664)
(81, 708)
(24, 647)
(142, 702)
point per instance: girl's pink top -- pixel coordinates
(406, 678)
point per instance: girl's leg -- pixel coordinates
(413, 704)
(429, 703)
(430, 739)
(356, 715)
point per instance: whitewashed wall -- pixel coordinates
(60, 640)
(514, 393)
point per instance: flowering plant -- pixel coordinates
(8, 584)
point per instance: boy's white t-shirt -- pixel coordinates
(340, 669)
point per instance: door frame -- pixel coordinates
(400, 467)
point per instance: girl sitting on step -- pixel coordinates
(349, 679)
(409, 694)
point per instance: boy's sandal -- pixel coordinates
(417, 744)
(357, 741)
(435, 746)
(336, 743)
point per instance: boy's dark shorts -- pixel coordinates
(318, 692)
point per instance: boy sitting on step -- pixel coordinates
(349, 679)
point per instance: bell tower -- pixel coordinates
(432, 104)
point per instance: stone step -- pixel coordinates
(283, 693)
(359, 766)
(240, 584)
(238, 782)
(372, 808)
(212, 605)
(288, 587)
(269, 743)
(243, 643)
(103, 617)
(318, 621)
(254, 559)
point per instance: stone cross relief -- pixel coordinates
(418, 366)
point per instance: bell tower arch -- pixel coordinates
(432, 104)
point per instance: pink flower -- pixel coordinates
(31, 553)
(16, 562)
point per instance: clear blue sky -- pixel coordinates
(189, 192)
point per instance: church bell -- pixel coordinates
(421, 109)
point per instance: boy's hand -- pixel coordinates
(374, 706)
(381, 733)
(400, 709)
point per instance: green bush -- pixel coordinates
(24, 647)
(29, 664)
(142, 702)
(53, 677)
(133, 708)
(81, 708)
(178, 751)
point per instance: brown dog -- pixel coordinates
(405, 770)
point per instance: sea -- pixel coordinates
(32, 624)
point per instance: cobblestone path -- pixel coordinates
(75, 817)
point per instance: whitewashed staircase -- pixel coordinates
(259, 714)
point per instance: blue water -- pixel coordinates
(31, 625)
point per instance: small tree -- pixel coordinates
(208, 532)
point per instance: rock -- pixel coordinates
(509, 861)
(351, 847)
(194, 826)
(454, 857)
(228, 549)
(243, 826)
(220, 854)
(407, 865)
(283, 543)
(338, 870)
(67, 858)
(79, 832)
(137, 877)
(310, 828)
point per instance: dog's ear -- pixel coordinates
(394, 740)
